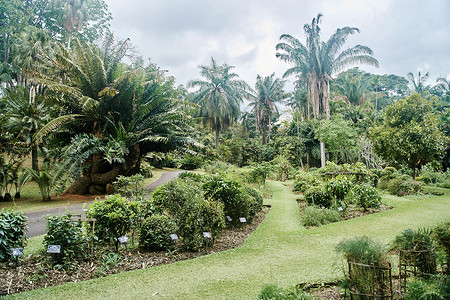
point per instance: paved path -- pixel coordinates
(37, 222)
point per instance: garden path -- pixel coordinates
(36, 219)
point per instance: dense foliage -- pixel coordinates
(12, 235)
(155, 233)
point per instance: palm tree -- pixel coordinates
(218, 96)
(419, 83)
(269, 90)
(353, 89)
(443, 87)
(317, 61)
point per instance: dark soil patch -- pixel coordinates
(37, 272)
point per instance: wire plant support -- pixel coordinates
(370, 281)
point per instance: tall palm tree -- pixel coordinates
(443, 87)
(269, 91)
(418, 84)
(219, 96)
(317, 61)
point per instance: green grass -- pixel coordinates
(279, 252)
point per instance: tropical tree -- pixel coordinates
(219, 96)
(409, 133)
(317, 61)
(352, 89)
(443, 88)
(418, 84)
(269, 91)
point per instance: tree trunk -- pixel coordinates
(34, 158)
(217, 140)
(79, 186)
(322, 155)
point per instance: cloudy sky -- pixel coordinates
(179, 35)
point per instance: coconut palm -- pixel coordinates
(218, 96)
(317, 61)
(269, 91)
(418, 84)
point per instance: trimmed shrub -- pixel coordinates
(155, 233)
(114, 216)
(317, 195)
(313, 216)
(11, 232)
(237, 202)
(61, 230)
(338, 187)
(256, 202)
(305, 180)
(365, 195)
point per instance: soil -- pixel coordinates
(37, 272)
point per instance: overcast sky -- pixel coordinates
(179, 35)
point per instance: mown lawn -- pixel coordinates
(280, 251)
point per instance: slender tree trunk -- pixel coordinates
(322, 155)
(34, 158)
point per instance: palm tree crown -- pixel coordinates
(219, 96)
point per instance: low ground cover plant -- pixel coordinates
(273, 292)
(315, 216)
(11, 232)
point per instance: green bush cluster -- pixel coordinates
(115, 216)
(305, 180)
(273, 292)
(365, 196)
(11, 232)
(362, 250)
(155, 233)
(63, 231)
(259, 172)
(404, 186)
(191, 162)
(435, 288)
(314, 216)
(317, 195)
(338, 187)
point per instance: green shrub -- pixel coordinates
(314, 216)
(441, 234)
(237, 203)
(11, 232)
(256, 201)
(362, 250)
(191, 162)
(389, 171)
(365, 195)
(338, 187)
(444, 184)
(114, 216)
(317, 195)
(282, 167)
(61, 230)
(146, 169)
(183, 201)
(155, 233)
(305, 180)
(404, 186)
(272, 292)
(259, 172)
(435, 288)
(131, 186)
(420, 241)
(430, 176)
(194, 176)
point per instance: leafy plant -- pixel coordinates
(305, 180)
(419, 248)
(114, 216)
(259, 172)
(131, 187)
(365, 196)
(273, 292)
(338, 187)
(317, 195)
(155, 233)
(314, 216)
(47, 179)
(441, 234)
(61, 230)
(11, 232)
(362, 250)
(191, 162)
(435, 288)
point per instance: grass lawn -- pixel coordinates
(280, 251)
(31, 199)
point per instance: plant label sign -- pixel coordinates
(55, 249)
(174, 237)
(123, 239)
(242, 220)
(229, 219)
(340, 208)
(15, 252)
(207, 235)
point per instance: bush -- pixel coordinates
(11, 232)
(430, 176)
(183, 201)
(362, 250)
(313, 216)
(259, 172)
(191, 162)
(317, 195)
(61, 230)
(282, 167)
(445, 184)
(365, 195)
(442, 235)
(338, 187)
(146, 170)
(272, 292)
(114, 216)
(305, 180)
(404, 186)
(256, 202)
(237, 203)
(155, 233)
(131, 186)
(436, 288)
(419, 241)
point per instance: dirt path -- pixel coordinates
(36, 219)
